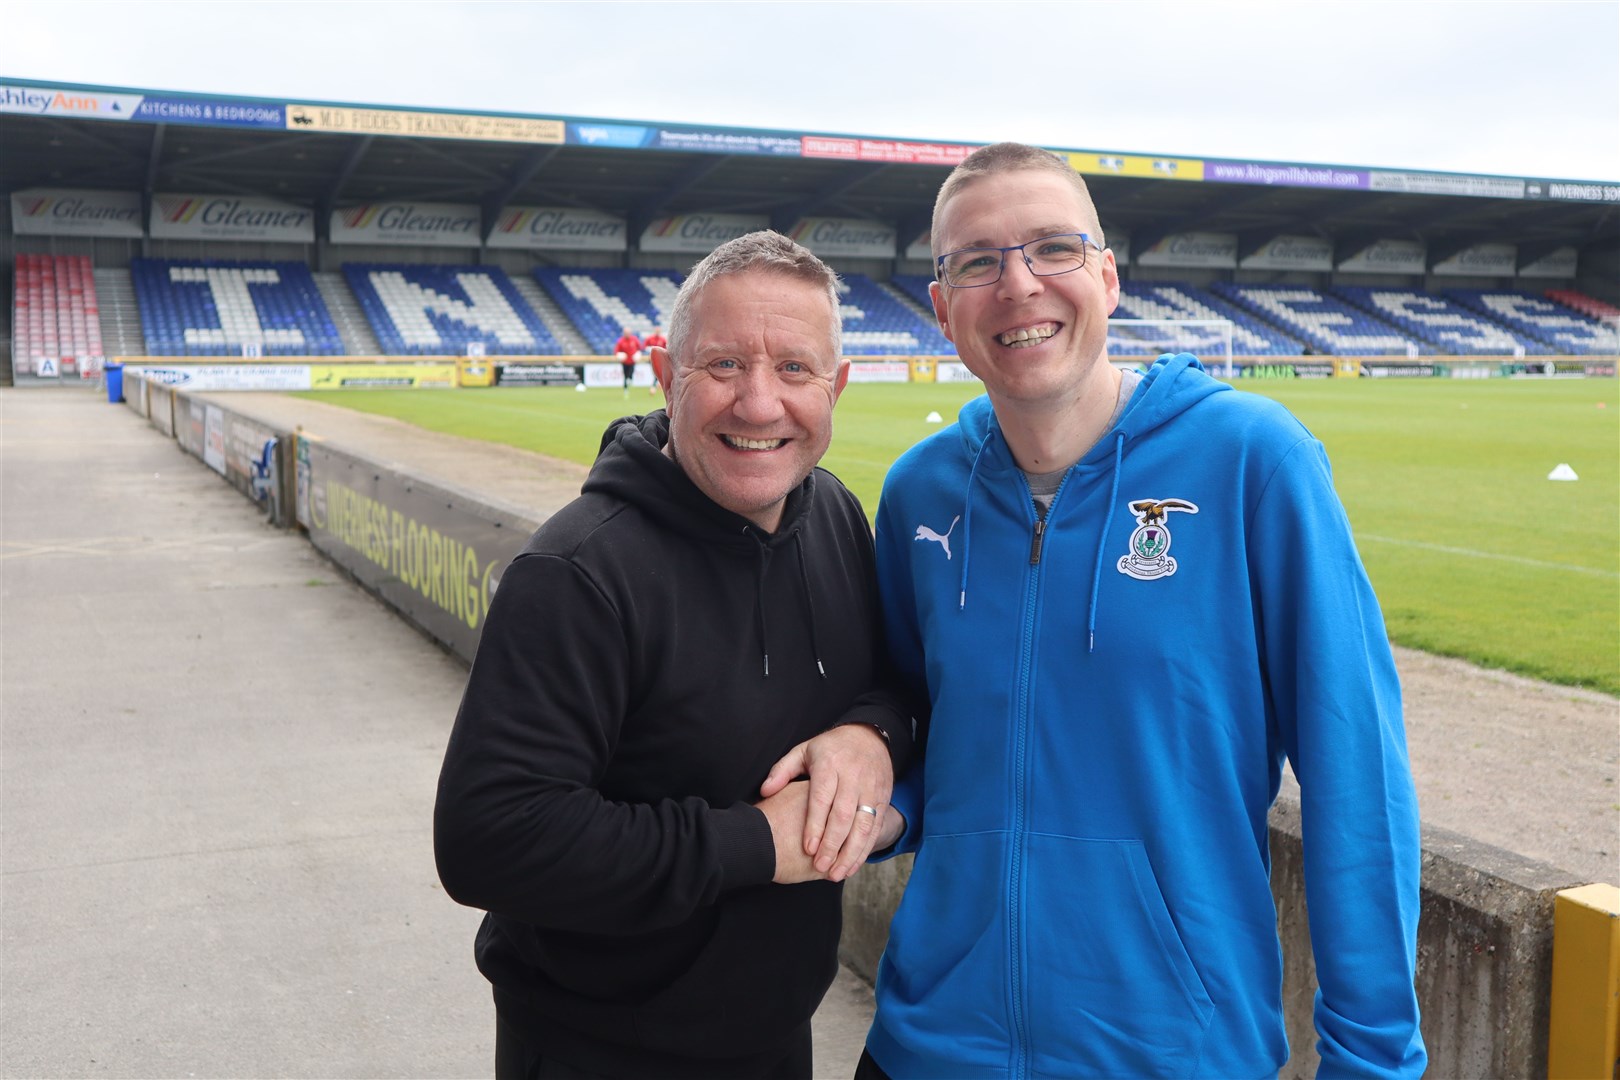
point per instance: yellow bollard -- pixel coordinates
(1582, 1037)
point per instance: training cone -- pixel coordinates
(934, 418)
(1563, 472)
(579, 388)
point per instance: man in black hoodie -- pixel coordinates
(663, 902)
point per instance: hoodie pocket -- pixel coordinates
(1112, 989)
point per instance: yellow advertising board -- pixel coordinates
(1161, 168)
(424, 125)
(475, 371)
(381, 376)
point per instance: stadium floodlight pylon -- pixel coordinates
(1208, 339)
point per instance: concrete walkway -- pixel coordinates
(217, 766)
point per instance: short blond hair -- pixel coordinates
(765, 252)
(1011, 157)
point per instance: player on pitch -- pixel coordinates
(626, 349)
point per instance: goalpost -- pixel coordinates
(1208, 339)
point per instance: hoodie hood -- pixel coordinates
(1174, 384)
(631, 465)
(1171, 386)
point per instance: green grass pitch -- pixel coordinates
(1473, 551)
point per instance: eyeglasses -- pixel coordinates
(968, 268)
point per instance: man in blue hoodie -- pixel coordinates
(1129, 598)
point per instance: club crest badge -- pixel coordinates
(1150, 543)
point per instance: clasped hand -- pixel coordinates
(819, 828)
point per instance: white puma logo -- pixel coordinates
(925, 533)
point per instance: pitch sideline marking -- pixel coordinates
(1520, 559)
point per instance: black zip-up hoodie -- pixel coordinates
(646, 659)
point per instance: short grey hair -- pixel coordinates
(765, 251)
(1011, 157)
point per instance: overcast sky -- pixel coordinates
(1516, 88)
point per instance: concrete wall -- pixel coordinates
(1484, 949)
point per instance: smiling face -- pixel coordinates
(751, 392)
(1035, 341)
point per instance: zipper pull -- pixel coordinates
(1035, 544)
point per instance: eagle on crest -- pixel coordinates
(1152, 511)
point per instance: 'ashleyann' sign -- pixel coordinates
(230, 217)
(71, 212)
(414, 223)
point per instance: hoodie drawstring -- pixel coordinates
(1102, 540)
(1102, 533)
(809, 603)
(759, 603)
(967, 521)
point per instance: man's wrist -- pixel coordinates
(888, 744)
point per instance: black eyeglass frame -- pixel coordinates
(1001, 268)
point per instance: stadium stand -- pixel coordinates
(54, 310)
(423, 310)
(1437, 321)
(121, 332)
(916, 287)
(877, 324)
(1251, 335)
(214, 307)
(1327, 324)
(1553, 328)
(602, 302)
(1584, 304)
(1165, 300)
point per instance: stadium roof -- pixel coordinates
(331, 155)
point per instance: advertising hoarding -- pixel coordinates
(699, 233)
(559, 228)
(230, 217)
(76, 212)
(413, 223)
(1192, 249)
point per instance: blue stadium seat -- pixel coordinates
(434, 310)
(1175, 300)
(916, 287)
(1326, 323)
(214, 307)
(876, 324)
(602, 302)
(1436, 321)
(1552, 327)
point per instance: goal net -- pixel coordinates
(1208, 339)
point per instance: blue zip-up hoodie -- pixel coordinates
(1114, 693)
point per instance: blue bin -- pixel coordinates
(115, 382)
